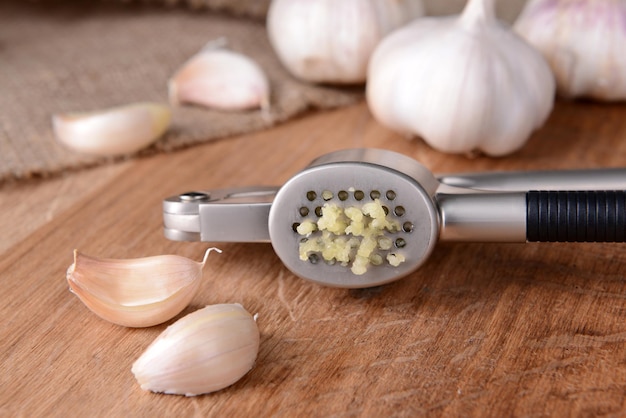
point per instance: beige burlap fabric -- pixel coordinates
(86, 55)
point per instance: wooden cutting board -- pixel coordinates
(479, 330)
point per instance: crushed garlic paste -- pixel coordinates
(351, 236)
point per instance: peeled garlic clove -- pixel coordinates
(329, 41)
(583, 41)
(116, 131)
(138, 292)
(221, 79)
(462, 83)
(202, 352)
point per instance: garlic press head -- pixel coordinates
(355, 219)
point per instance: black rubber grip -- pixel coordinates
(583, 216)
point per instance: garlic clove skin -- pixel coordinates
(202, 352)
(583, 41)
(115, 131)
(327, 41)
(138, 292)
(462, 83)
(220, 79)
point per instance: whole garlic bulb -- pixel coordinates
(584, 42)
(462, 83)
(329, 41)
(203, 352)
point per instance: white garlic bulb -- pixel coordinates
(139, 292)
(115, 131)
(220, 79)
(462, 83)
(329, 41)
(202, 352)
(584, 41)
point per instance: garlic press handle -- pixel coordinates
(534, 216)
(517, 206)
(226, 215)
(512, 181)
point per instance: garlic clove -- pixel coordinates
(115, 131)
(202, 352)
(221, 79)
(583, 43)
(329, 41)
(462, 83)
(138, 292)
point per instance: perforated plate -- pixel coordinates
(353, 184)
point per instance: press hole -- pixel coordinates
(400, 243)
(314, 259)
(385, 243)
(311, 195)
(295, 226)
(390, 194)
(407, 227)
(375, 194)
(359, 195)
(399, 211)
(342, 195)
(376, 259)
(304, 211)
(318, 211)
(327, 195)
(386, 210)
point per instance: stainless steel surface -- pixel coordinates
(511, 181)
(228, 215)
(385, 159)
(483, 217)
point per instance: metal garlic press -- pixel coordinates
(365, 217)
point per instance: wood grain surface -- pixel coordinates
(480, 330)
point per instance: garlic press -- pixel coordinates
(365, 217)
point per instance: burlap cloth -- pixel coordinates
(86, 55)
